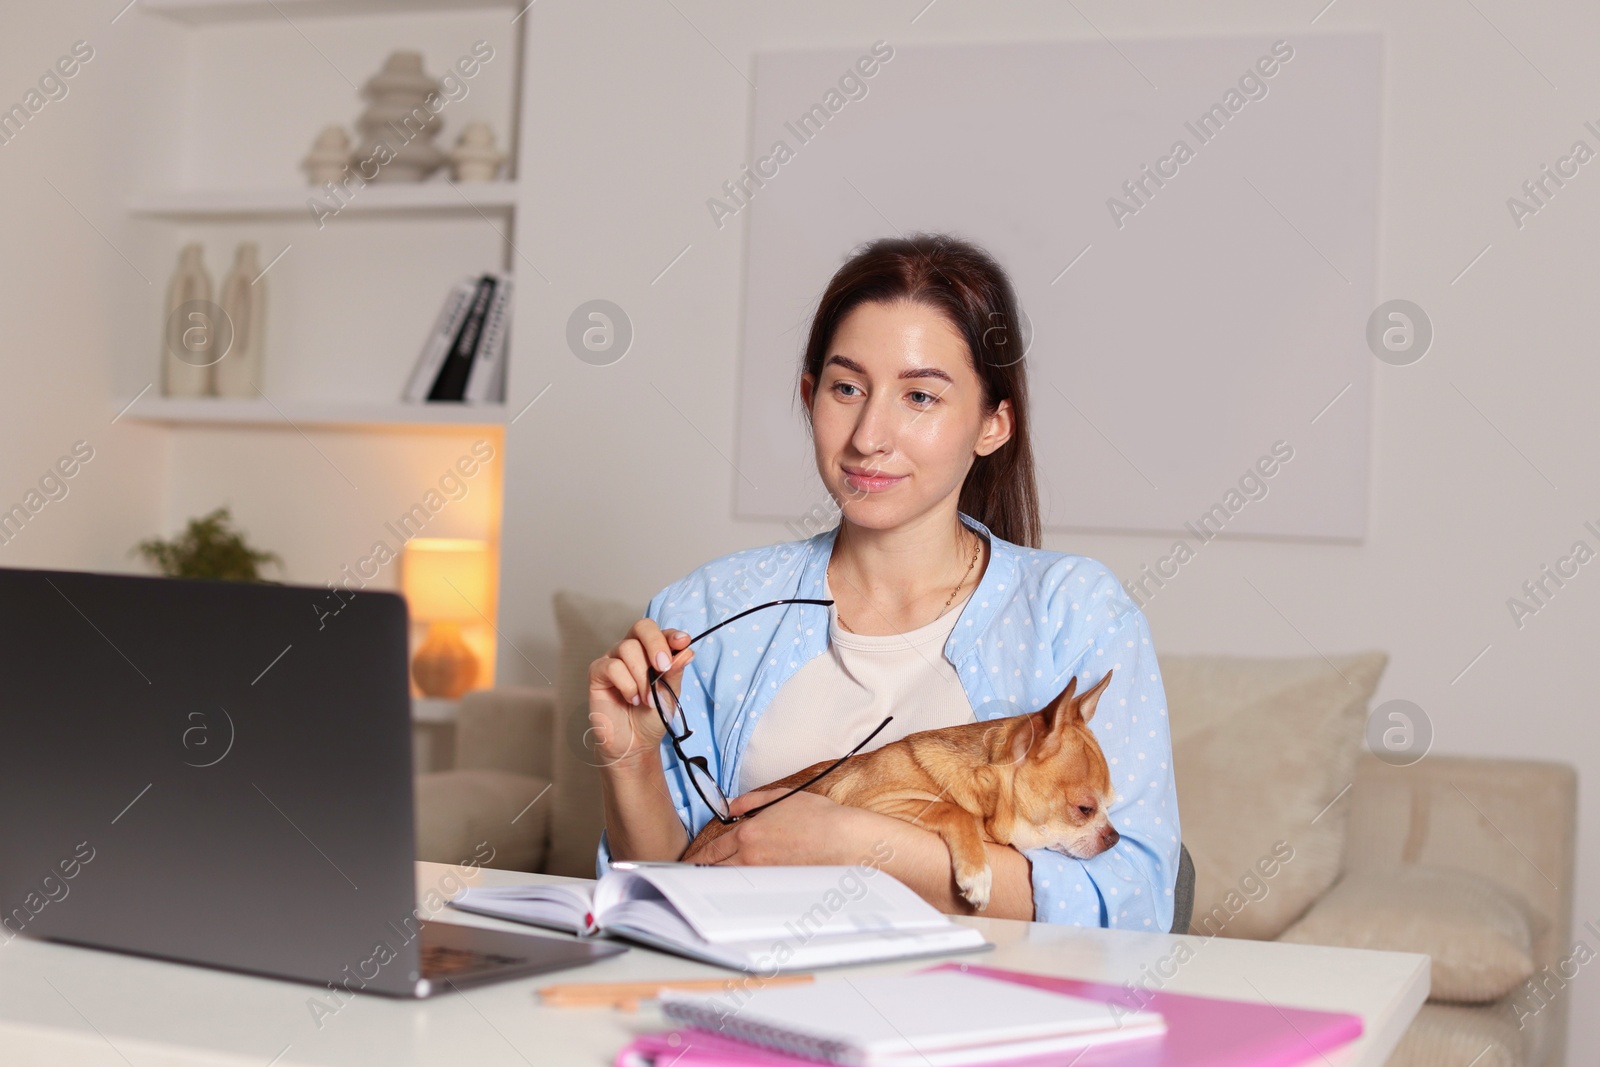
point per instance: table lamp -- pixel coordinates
(446, 582)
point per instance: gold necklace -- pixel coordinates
(977, 545)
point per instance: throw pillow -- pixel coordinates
(460, 811)
(588, 627)
(1477, 932)
(1262, 751)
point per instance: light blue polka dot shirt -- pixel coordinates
(1036, 619)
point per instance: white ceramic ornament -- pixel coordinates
(188, 328)
(397, 129)
(245, 305)
(475, 158)
(329, 156)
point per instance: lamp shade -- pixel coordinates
(445, 579)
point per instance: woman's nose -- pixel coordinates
(872, 431)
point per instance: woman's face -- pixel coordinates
(897, 414)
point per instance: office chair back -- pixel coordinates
(1183, 892)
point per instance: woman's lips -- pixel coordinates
(871, 483)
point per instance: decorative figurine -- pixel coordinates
(329, 156)
(397, 129)
(475, 158)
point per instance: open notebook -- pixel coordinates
(746, 918)
(931, 1019)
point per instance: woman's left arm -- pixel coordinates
(1130, 885)
(811, 829)
(920, 859)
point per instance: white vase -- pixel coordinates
(245, 306)
(188, 329)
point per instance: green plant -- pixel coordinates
(208, 548)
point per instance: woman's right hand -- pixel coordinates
(623, 724)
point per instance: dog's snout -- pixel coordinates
(1109, 836)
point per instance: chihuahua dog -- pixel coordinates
(1029, 781)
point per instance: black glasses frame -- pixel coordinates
(655, 679)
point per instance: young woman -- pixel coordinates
(944, 611)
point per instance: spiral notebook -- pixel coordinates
(1200, 1032)
(933, 1019)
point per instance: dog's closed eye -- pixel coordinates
(1086, 810)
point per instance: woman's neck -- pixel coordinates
(890, 576)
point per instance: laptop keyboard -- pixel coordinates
(442, 961)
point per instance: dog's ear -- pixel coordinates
(1084, 706)
(1058, 713)
(1025, 733)
(1053, 711)
(1069, 709)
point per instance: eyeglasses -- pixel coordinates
(700, 776)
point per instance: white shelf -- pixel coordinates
(434, 709)
(205, 12)
(464, 198)
(286, 414)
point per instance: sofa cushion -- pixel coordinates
(457, 811)
(1459, 1035)
(1263, 748)
(508, 728)
(1476, 932)
(588, 627)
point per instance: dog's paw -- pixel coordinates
(976, 885)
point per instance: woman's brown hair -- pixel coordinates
(963, 282)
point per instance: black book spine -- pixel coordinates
(451, 384)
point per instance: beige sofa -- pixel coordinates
(1514, 823)
(1363, 833)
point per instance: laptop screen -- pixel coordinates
(214, 772)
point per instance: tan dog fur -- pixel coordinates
(1029, 781)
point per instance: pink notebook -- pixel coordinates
(1201, 1032)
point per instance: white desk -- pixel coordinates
(74, 1007)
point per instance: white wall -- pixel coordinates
(67, 294)
(636, 114)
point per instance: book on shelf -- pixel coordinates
(439, 341)
(464, 357)
(451, 383)
(745, 918)
(486, 382)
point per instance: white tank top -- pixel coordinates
(838, 698)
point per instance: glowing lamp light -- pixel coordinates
(446, 583)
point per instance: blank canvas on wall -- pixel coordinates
(1191, 309)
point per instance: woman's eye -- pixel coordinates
(845, 389)
(921, 397)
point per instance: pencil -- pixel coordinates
(628, 994)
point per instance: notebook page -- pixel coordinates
(796, 903)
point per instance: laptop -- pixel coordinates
(219, 773)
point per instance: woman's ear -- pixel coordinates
(998, 427)
(808, 388)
